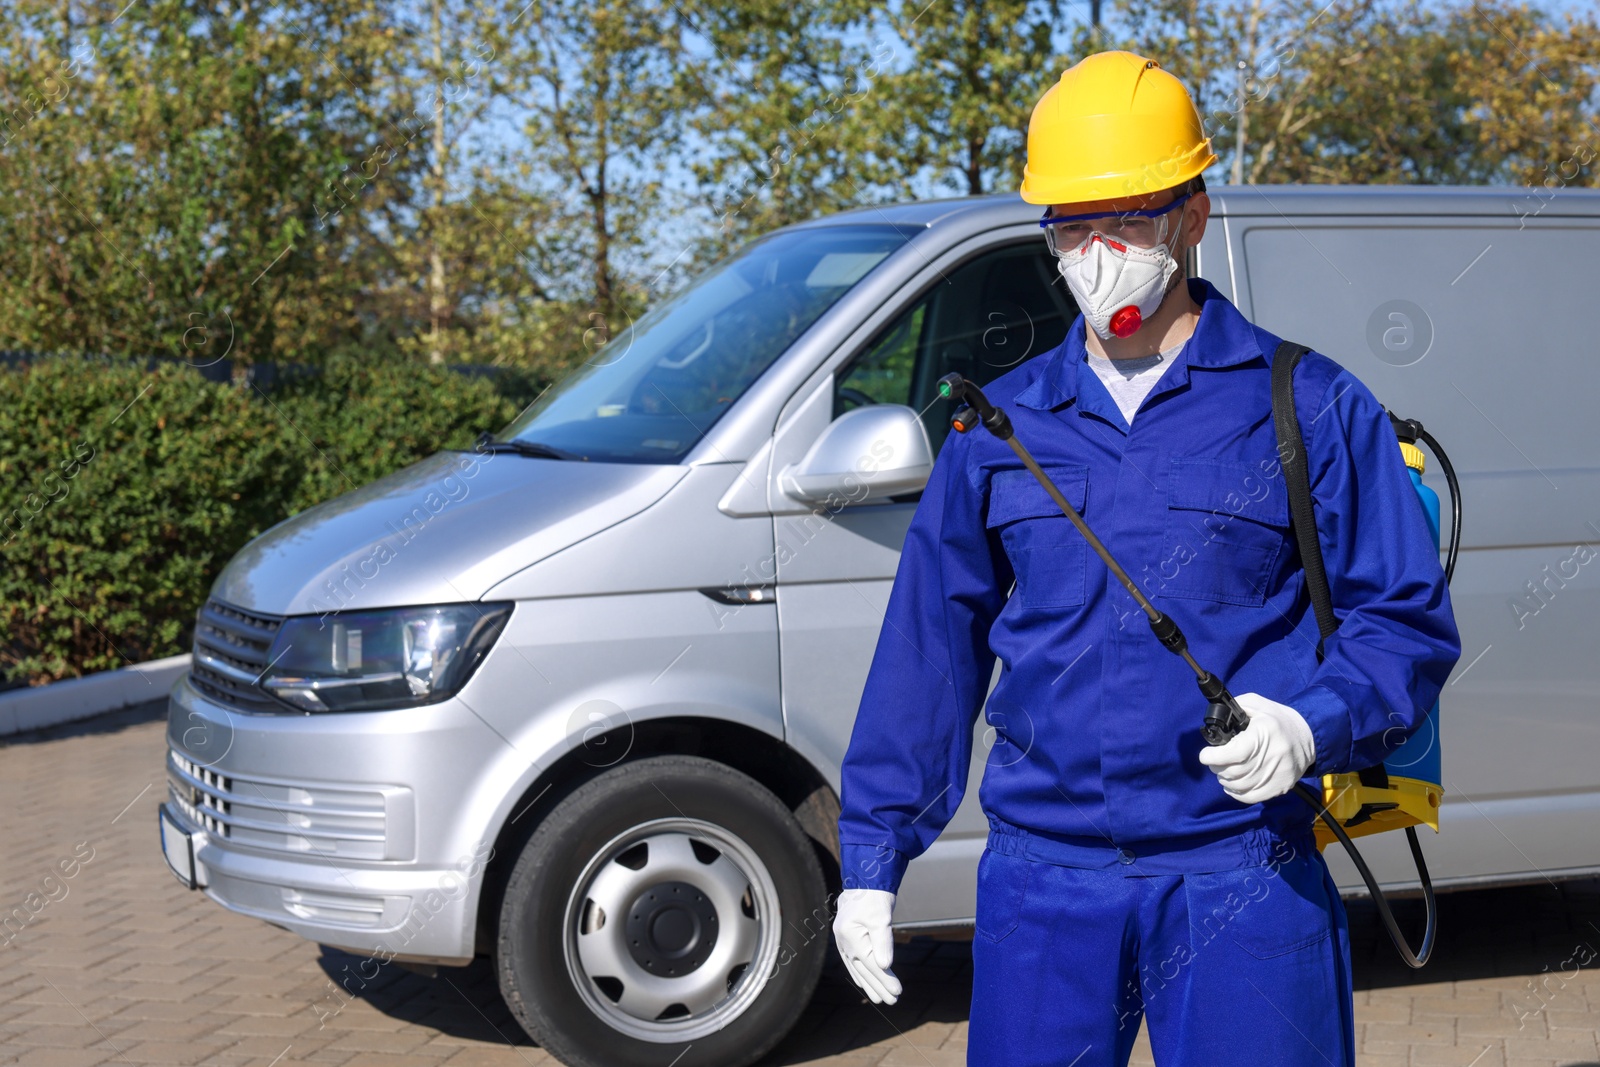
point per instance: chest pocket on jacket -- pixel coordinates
(1045, 549)
(1227, 524)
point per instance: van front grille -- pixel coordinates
(230, 654)
(325, 821)
(205, 803)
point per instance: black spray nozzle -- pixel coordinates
(954, 387)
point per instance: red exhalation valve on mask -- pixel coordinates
(1126, 320)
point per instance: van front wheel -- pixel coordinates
(669, 911)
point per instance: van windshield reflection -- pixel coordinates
(650, 394)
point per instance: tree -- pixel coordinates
(1362, 91)
(512, 182)
(191, 178)
(448, 78)
(960, 107)
(604, 86)
(789, 127)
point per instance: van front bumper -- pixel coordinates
(313, 822)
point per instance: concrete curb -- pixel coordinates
(94, 694)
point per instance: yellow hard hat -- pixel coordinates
(1116, 125)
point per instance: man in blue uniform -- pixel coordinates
(1130, 871)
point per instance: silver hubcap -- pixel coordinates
(672, 929)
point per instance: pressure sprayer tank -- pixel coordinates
(1414, 790)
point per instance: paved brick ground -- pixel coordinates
(127, 968)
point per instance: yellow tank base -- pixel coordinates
(1364, 809)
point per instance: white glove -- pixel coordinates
(1267, 757)
(861, 930)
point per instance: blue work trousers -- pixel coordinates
(1249, 965)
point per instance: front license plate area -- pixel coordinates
(177, 845)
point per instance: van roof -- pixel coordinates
(981, 212)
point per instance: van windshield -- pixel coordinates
(650, 393)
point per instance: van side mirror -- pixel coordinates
(868, 453)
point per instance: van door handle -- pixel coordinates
(743, 594)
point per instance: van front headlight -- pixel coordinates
(388, 658)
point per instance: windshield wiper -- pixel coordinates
(487, 443)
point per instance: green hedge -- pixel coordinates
(124, 491)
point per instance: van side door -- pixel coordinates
(1478, 323)
(982, 315)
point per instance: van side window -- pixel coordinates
(987, 316)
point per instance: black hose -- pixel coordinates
(1430, 924)
(1455, 500)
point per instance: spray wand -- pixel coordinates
(1224, 717)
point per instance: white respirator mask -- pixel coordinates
(1119, 269)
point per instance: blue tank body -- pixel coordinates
(1430, 503)
(1418, 757)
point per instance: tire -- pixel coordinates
(669, 911)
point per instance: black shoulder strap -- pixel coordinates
(1297, 479)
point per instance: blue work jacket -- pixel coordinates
(1096, 726)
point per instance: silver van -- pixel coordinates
(577, 698)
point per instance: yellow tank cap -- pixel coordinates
(1413, 456)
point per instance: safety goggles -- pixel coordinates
(1141, 229)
